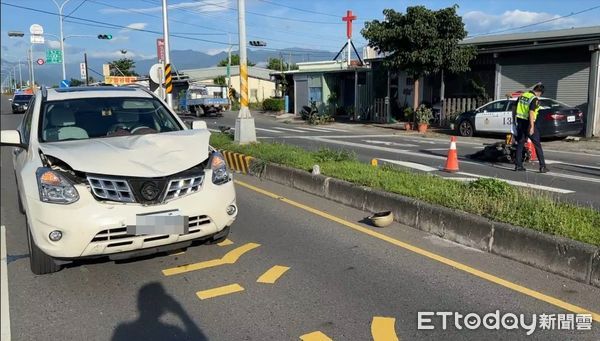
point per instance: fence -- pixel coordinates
(380, 111)
(454, 106)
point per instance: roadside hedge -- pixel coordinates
(273, 104)
(490, 198)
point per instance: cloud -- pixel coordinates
(137, 25)
(478, 22)
(205, 6)
(116, 54)
(53, 44)
(216, 51)
(4, 48)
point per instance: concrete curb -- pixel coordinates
(562, 256)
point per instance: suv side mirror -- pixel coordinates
(198, 125)
(11, 138)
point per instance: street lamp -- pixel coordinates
(62, 39)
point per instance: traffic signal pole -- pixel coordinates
(167, 68)
(244, 124)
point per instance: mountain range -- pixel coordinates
(50, 74)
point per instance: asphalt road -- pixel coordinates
(574, 175)
(345, 280)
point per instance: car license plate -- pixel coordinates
(164, 222)
(570, 118)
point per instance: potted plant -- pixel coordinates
(408, 117)
(424, 115)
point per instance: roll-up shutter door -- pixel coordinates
(565, 82)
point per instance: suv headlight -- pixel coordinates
(220, 175)
(55, 188)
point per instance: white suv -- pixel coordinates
(113, 171)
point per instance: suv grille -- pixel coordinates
(147, 191)
(111, 189)
(181, 187)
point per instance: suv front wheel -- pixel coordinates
(39, 262)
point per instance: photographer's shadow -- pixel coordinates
(154, 302)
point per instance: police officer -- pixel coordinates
(526, 113)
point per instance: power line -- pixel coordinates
(280, 29)
(76, 8)
(274, 16)
(537, 23)
(299, 9)
(114, 25)
(90, 22)
(155, 16)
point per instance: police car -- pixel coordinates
(555, 119)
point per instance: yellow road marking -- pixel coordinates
(225, 242)
(478, 273)
(273, 274)
(382, 329)
(315, 336)
(230, 258)
(220, 291)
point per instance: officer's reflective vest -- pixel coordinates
(523, 104)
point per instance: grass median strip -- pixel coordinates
(490, 198)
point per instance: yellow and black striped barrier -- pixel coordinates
(237, 162)
(168, 79)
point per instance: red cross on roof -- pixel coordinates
(348, 19)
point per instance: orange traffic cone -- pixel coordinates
(452, 160)
(531, 150)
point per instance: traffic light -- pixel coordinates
(105, 36)
(257, 43)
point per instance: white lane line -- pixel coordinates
(338, 136)
(294, 130)
(334, 129)
(314, 129)
(214, 130)
(459, 179)
(436, 149)
(521, 184)
(5, 311)
(390, 143)
(269, 130)
(574, 177)
(412, 165)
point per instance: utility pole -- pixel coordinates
(33, 89)
(168, 84)
(87, 78)
(244, 124)
(229, 63)
(62, 37)
(20, 76)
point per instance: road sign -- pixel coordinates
(156, 73)
(65, 83)
(82, 70)
(36, 29)
(105, 70)
(53, 56)
(34, 39)
(160, 49)
(40, 61)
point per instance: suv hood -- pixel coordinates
(151, 155)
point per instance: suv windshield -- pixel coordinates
(22, 98)
(88, 118)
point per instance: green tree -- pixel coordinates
(235, 60)
(279, 64)
(421, 41)
(122, 67)
(220, 80)
(76, 82)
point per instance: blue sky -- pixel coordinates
(206, 23)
